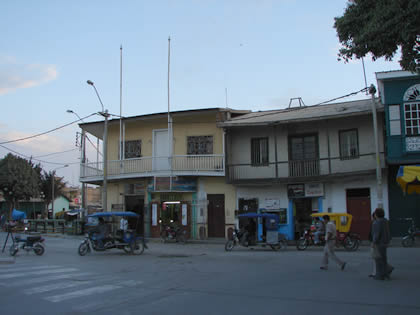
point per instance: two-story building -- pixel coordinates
(171, 167)
(400, 94)
(307, 159)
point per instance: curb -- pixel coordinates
(7, 261)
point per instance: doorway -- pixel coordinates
(303, 219)
(135, 204)
(358, 205)
(216, 215)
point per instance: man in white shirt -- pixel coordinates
(330, 234)
(123, 224)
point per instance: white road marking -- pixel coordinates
(17, 283)
(56, 286)
(34, 273)
(84, 292)
(26, 268)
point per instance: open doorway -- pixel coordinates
(303, 219)
(135, 204)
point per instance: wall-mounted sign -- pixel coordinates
(305, 190)
(271, 203)
(314, 190)
(296, 190)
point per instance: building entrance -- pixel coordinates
(135, 204)
(302, 219)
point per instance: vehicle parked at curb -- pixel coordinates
(173, 233)
(127, 240)
(350, 241)
(264, 233)
(413, 232)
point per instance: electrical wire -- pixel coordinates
(55, 153)
(93, 145)
(46, 132)
(35, 159)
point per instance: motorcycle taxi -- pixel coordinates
(127, 239)
(267, 233)
(344, 237)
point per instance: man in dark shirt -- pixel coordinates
(380, 239)
(102, 230)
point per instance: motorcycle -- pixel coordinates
(173, 233)
(239, 237)
(127, 240)
(349, 241)
(413, 232)
(29, 243)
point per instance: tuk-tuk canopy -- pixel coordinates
(342, 220)
(116, 214)
(18, 215)
(408, 177)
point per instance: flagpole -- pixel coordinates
(169, 116)
(120, 143)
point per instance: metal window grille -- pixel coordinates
(199, 145)
(259, 151)
(132, 149)
(412, 119)
(349, 144)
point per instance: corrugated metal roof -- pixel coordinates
(306, 113)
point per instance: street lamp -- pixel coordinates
(105, 114)
(83, 157)
(52, 187)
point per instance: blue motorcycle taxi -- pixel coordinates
(127, 240)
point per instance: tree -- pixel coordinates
(381, 27)
(19, 179)
(47, 179)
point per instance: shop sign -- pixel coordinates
(314, 190)
(270, 204)
(296, 190)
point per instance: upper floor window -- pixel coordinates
(132, 149)
(303, 147)
(349, 144)
(412, 119)
(259, 151)
(199, 145)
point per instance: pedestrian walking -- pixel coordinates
(372, 249)
(381, 237)
(330, 234)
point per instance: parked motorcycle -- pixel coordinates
(29, 243)
(349, 241)
(241, 238)
(173, 233)
(413, 232)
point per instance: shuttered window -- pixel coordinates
(349, 144)
(199, 145)
(259, 151)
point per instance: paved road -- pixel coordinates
(203, 279)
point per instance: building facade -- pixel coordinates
(400, 94)
(167, 167)
(308, 159)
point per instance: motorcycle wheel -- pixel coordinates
(127, 249)
(39, 249)
(164, 236)
(275, 247)
(407, 241)
(302, 244)
(137, 247)
(229, 245)
(83, 249)
(13, 250)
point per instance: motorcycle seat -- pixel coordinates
(33, 238)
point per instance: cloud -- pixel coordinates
(15, 75)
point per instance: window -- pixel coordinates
(132, 149)
(349, 144)
(259, 151)
(303, 148)
(412, 119)
(199, 145)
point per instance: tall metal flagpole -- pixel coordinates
(169, 116)
(120, 143)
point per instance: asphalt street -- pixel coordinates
(203, 279)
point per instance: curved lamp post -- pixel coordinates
(105, 114)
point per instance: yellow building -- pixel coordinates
(167, 168)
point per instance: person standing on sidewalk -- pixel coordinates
(380, 239)
(330, 234)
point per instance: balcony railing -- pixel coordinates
(154, 166)
(304, 168)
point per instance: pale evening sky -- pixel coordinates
(263, 51)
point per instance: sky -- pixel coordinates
(246, 54)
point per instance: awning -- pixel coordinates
(408, 177)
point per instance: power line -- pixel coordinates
(93, 145)
(35, 159)
(55, 153)
(46, 132)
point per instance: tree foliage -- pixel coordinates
(46, 186)
(19, 179)
(381, 27)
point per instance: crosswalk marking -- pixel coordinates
(55, 286)
(26, 268)
(18, 283)
(84, 292)
(34, 273)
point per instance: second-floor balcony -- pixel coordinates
(303, 169)
(177, 165)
